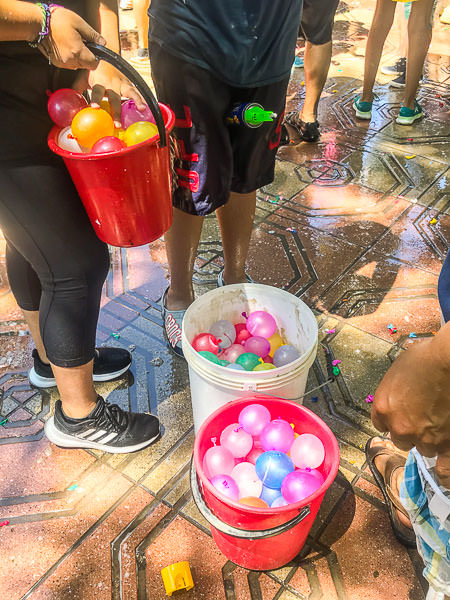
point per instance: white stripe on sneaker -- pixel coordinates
(86, 433)
(98, 434)
(109, 438)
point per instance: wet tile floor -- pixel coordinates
(353, 227)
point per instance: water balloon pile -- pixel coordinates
(85, 129)
(255, 345)
(262, 462)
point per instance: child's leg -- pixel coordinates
(317, 65)
(181, 246)
(381, 25)
(236, 223)
(140, 8)
(419, 38)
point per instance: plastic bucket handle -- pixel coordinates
(247, 534)
(117, 61)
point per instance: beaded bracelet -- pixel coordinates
(45, 28)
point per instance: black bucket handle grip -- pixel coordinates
(247, 534)
(126, 69)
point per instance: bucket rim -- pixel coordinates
(297, 363)
(66, 154)
(253, 509)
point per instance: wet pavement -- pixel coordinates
(357, 225)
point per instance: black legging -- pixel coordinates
(56, 264)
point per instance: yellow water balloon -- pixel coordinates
(275, 342)
(139, 132)
(264, 367)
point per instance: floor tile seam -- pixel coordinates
(337, 576)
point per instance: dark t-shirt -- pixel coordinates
(25, 79)
(246, 43)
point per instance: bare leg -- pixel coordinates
(75, 385)
(140, 8)
(236, 223)
(181, 245)
(32, 319)
(317, 64)
(419, 39)
(381, 25)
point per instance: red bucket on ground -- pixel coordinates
(127, 194)
(260, 538)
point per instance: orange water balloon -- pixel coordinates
(139, 132)
(91, 124)
(254, 501)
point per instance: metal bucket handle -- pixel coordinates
(246, 534)
(126, 69)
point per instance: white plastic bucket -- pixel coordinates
(213, 385)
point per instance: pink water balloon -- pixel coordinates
(277, 435)
(253, 418)
(298, 485)
(248, 482)
(108, 144)
(242, 333)
(261, 323)
(130, 114)
(232, 353)
(307, 451)
(316, 474)
(63, 105)
(218, 460)
(258, 345)
(235, 439)
(254, 454)
(226, 486)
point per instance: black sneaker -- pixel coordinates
(399, 82)
(309, 132)
(397, 69)
(107, 428)
(109, 363)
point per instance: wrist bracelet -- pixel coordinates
(45, 28)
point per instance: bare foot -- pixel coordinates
(397, 477)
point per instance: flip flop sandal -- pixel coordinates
(404, 534)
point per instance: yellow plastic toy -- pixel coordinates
(177, 577)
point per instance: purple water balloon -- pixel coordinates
(224, 331)
(261, 323)
(280, 501)
(298, 485)
(218, 460)
(130, 114)
(226, 486)
(315, 473)
(284, 355)
(258, 345)
(236, 440)
(307, 451)
(277, 435)
(253, 418)
(232, 353)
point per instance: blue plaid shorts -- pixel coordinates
(428, 505)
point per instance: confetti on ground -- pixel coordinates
(433, 221)
(391, 328)
(330, 331)
(441, 104)
(410, 139)
(369, 398)
(302, 83)
(72, 487)
(115, 335)
(339, 70)
(271, 231)
(131, 347)
(352, 462)
(410, 156)
(433, 332)
(335, 91)
(315, 399)
(267, 198)
(291, 230)
(412, 334)
(3, 422)
(336, 370)
(3, 523)
(336, 362)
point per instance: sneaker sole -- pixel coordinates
(396, 84)
(69, 441)
(48, 382)
(362, 115)
(408, 120)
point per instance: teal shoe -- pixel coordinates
(363, 109)
(407, 116)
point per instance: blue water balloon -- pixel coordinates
(272, 467)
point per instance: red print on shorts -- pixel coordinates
(187, 178)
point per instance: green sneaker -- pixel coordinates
(363, 109)
(407, 116)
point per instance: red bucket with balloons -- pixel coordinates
(124, 178)
(260, 470)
